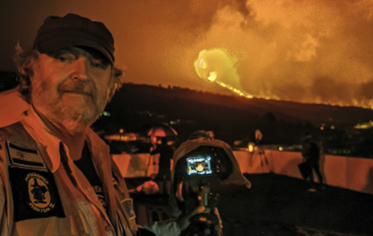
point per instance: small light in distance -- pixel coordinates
(250, 147)
(105, 113)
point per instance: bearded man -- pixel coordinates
(56, 174)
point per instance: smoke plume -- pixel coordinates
(304, 51)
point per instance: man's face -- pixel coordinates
(71, 84)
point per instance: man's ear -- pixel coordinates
(112, 92)
(117, 76)
(115, 86)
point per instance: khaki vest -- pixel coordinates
(33, 205)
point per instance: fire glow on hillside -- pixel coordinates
(216, 66)
(304, 51)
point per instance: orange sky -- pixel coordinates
(305, 51)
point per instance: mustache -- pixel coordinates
(79, 87)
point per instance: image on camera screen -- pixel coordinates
(199, 165)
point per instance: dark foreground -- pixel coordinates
(278, 205)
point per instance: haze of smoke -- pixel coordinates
(300, 50)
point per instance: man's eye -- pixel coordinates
(64, 58)
(98, 64)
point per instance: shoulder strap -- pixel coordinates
(127, 213)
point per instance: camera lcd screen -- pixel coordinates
(199, 165)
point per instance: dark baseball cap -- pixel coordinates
(74, 30)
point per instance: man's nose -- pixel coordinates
(80, 68)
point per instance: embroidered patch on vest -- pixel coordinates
(24, 157)
(35, 194)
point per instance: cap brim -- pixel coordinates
(58, 43)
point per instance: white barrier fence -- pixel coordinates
(347, 172)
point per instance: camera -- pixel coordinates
(201, 166)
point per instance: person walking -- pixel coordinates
(311, 155)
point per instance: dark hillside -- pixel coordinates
(136, 107)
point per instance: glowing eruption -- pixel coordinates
(287, 52)
(212, 76)
(217, 66)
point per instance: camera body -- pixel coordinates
(204, 162)
(201, 166)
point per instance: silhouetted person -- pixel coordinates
(166, 152)
(311, 153)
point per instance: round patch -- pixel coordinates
(39, 194)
